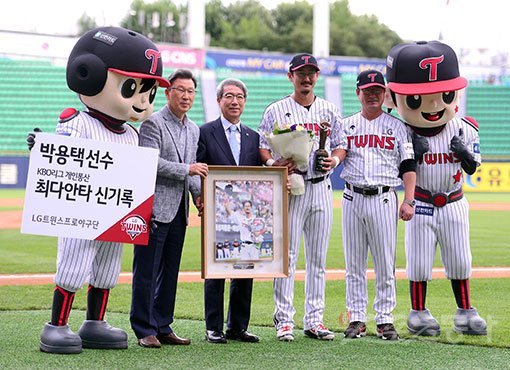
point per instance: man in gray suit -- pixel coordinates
(156, 266)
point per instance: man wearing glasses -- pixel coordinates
(226, 141)
(156, 266)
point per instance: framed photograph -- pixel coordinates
(244, 226)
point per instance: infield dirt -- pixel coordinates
(12, 220)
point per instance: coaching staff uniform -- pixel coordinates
(156, 266)
(225, 141)
(379, 157)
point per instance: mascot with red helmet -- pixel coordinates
(116, 73)
(424, 83)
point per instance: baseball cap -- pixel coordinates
(370, 78)
(423, 68)
(302, 60)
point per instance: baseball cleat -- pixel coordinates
(99, 334)
(59, 339)
(285, 334)
(320, 332)
(467, 321)
(422, 323)
(356, 329)
(387, 332)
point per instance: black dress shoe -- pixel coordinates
(242, 335)
(173, 338)
(213, 336)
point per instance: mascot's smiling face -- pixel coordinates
(431, 110)
(424, 82)
(124, 98)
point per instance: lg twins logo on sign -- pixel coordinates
(133, 226)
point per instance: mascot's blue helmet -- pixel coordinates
(116, 49)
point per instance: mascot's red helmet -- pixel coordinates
(423, 68)
(116, 49)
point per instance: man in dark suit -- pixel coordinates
(225, 141)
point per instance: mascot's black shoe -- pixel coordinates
(59, 339)
(100, 335)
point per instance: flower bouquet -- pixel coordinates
(293, 142)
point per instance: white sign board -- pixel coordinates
(87, 189)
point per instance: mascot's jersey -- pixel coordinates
(439, 171)
(84, 126)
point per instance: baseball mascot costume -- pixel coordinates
(116, 73)
(424, 83)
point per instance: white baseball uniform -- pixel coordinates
(310, 214)
(80, 259)
(375, 150)
(438, 172)
(245, 226)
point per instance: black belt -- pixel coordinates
(438, 199)
(368, 191)
(247, 242)
(316, 180)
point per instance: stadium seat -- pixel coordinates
(34, 92)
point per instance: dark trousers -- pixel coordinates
(155, 273)
(239, 304)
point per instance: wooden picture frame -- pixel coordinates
(245, 225)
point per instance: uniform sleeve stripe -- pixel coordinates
(471, 122)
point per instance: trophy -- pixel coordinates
(321, 153)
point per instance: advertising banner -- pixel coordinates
(181, 57)
(489, 177)
(279, 63)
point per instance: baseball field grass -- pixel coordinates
(24, 310)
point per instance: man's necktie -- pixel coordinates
(234, 145)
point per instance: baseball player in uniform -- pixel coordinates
(310, 214)
(424, 82)
(116, 73)
(378, 153)
(249, 236)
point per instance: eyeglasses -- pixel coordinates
(372, 91)
(230, 97)
(305, 74)
(182, 91)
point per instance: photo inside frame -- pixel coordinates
(244, 221)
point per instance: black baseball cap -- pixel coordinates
(302, 60)
(423, 68)
(370, 78)
(122, 51)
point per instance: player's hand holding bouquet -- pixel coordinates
(294, 143)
